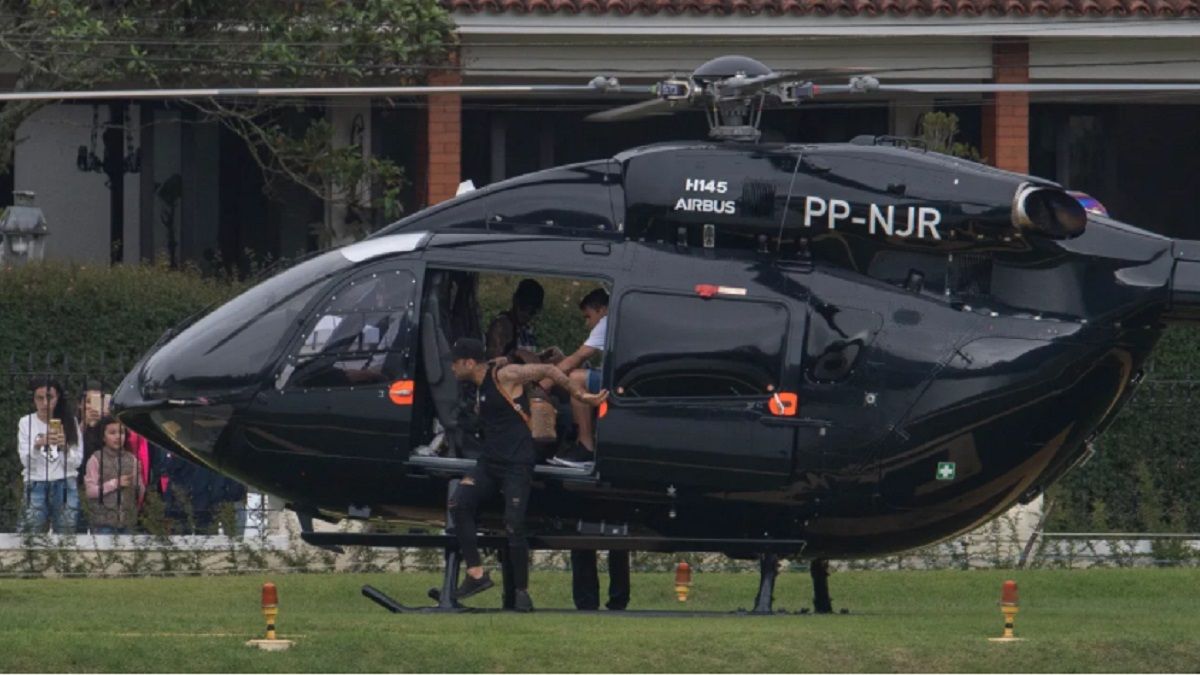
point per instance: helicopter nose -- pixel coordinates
(194, 427)
(184, 392)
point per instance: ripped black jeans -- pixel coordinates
(480, 484)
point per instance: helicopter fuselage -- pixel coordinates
(858, 349)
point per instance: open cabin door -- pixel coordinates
(345, 387)
(692, 383)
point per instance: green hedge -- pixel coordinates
(82, 322)
(90, 312)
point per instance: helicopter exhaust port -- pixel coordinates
(1047, 210)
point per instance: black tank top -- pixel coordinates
(506, 437)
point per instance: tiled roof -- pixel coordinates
(941, 8)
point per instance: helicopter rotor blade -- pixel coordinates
(868, 84)
(633, 111)
(597, 85)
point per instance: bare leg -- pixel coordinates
(582, 412)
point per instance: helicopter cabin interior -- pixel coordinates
(677, 365)
(459, 303)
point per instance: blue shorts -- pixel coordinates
(594, 378)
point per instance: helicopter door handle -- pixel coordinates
(596, 248)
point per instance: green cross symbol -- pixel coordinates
(945, 471)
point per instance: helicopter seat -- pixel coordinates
(443, 388)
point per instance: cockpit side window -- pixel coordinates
(361, 335)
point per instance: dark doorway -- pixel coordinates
(395, 135)
(261, 221)
(6, 185)
(244, 231)
(1139, 161)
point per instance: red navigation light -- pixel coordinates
(683, 581)
(1008, 593)
(270, 597)
(683, 574)
(707, 290)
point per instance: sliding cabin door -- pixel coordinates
(692, 384)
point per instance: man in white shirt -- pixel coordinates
(585, 582)
(594, 307)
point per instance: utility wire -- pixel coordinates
(469, 68)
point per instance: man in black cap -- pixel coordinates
(506, 461)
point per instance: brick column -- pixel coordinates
(1006, 114)
(442, 147)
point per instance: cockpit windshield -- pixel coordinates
(230, 349)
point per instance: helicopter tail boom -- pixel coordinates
(1185, 283)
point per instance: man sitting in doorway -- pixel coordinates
(594, 307)
(511, 334)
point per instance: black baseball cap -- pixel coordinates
(468, 348)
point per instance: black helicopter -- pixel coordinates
(823, 351)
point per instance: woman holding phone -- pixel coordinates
(49, 443)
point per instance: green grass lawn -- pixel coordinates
(1098, 620)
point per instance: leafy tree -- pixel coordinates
(938, 131)
(82, 44)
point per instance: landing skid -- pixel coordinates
(822, 603)
(763, 603)
(444, 597)
(768, 570)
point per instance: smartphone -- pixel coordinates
(107, 404)
(95, 401)
(56, 426)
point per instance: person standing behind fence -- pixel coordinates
(193, 495)
(93, 405)
(50, 447)
(113, 481)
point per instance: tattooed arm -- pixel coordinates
(514, 376)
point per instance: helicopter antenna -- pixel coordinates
(787, 202)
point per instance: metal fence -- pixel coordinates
(194, 501)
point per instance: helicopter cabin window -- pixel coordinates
(353, 337)
(673, 346)
(576, 198)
